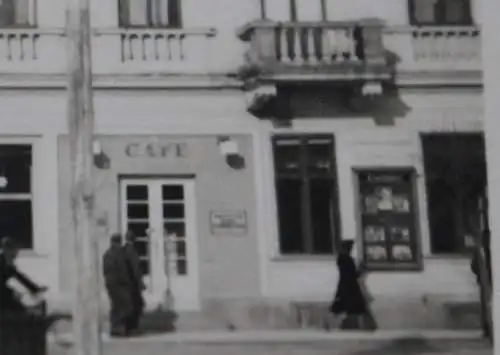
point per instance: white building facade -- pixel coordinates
(258, 134)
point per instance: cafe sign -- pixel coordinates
(156, 150)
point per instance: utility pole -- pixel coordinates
(86, 320)
(490, 44)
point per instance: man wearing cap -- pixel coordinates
(118, 284)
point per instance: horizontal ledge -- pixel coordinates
(124, 82)
(408, 29)
(145, 31)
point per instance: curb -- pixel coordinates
(281, 337)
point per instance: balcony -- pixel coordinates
(317, 51)
(152, 51)
(436, 53)
(28, 51)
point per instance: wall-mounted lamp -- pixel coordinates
(230, 150)
(101, 160)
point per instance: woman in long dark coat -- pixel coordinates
(349, 298)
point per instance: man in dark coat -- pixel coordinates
(118, 284)
(349, 298)
(9, 302)
(137, 284)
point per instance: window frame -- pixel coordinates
(32, 21)
(294, 10)
(416, 242)
(469, 21)
(461, 249)
(304, 176)
(23, 196)
(124, 17)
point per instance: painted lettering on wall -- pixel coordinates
(156, 150)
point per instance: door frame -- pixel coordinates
(156, 296)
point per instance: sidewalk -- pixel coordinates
(293, 343)
(284, 336)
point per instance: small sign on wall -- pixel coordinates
(228, 222)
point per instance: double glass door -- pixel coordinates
(160, 213)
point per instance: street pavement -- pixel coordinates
(316, 345)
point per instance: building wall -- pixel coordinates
(418, 296)
(238, 271)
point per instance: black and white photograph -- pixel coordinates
(255, 177)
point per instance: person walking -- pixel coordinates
(118, 284)
(350, 299)
(137, 284)
(9, 302)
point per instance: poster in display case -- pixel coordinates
(388, 223)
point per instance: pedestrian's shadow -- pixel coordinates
(158, 321)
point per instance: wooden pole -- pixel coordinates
(86, 320)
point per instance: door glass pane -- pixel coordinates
(137, 193)
(138, 211)
(180, 247)
(173, 211)
(321, 199)
(181, 265)
(177, 228)
(139, 229)
(172, 192)
(289, 199)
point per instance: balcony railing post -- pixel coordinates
(373, 46)
(261, 36)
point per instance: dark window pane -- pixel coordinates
(177, 228)
(287, 155)
(321, 199)
(455, 171)
(16, 222)
(289, 198)
(319, 155)
(173, 210)
(180, 248)
(136, 211)
(15, 166)
(137, 193)
(181, 267)
(139, 229)
(173, 192)
(441, 12)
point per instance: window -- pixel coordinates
(15, 194)
(440, 12)
(150, 13)
(455, 174)
(17, 13)
(388, 219)
(306, 194)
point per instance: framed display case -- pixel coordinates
(388, 219)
